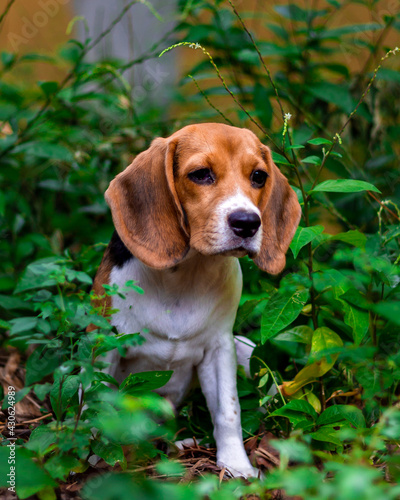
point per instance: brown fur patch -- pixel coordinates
(102, 278)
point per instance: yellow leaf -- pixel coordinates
(323, 338)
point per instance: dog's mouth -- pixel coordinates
(238, 252)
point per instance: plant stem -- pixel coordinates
(259, 56)
(78, 416)
(6, 10)
(209, 102)
(272, 376)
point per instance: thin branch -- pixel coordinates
(260, 57)
(6, 10)
(366, 91)
(376, 47)
(209, 102)
(384, 206)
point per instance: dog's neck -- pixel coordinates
(196, 270)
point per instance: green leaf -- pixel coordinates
(389, 310)
(37, 275)
(41, 438)
(4, 324)
(48, 88)
(388, 75)
(106, 377)
(138, 383)
(299, 194)
(59, 467)
(337, 413)
(273, 49)
(110, 452)
(349, 30)
(303, 236)
(42, 362)
(3, 202)
(358, 321)
(302, 334)
(307, 395)
(339, 95)
(295, 410)
(263, 380)
(19, 395)
(78, 276)
(31, 477)
(328, 435)
(318, 141)
(244, 312)
(339, 284)
(313, 160)
(293, 12)
(131, 285)
(41, 390)
(303, 406)
(19, 325)
(330, 278)
(355, 298)
(344, 186)
(277, 158)
(7, 302)
(61, 398)
(293, 450)
(280, 310)
(352, 237)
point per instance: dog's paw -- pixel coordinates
(189, 442)
(241, 468)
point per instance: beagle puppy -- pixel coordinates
(184, 211)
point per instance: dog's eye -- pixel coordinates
(202, 176)
(258, 178)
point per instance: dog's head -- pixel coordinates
(210, 187)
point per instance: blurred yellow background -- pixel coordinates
(40, 26)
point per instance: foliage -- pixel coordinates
(326, 367)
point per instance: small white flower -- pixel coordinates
(288, 116)
(195, 46)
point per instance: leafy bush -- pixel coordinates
(326, 368)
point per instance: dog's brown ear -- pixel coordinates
(280, 218)
(145, 208)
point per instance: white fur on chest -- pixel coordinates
(184, 313)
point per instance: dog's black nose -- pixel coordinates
(244, 224)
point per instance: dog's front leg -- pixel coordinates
(217, 375)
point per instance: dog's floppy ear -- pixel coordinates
(280, 218)
(145, 208)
